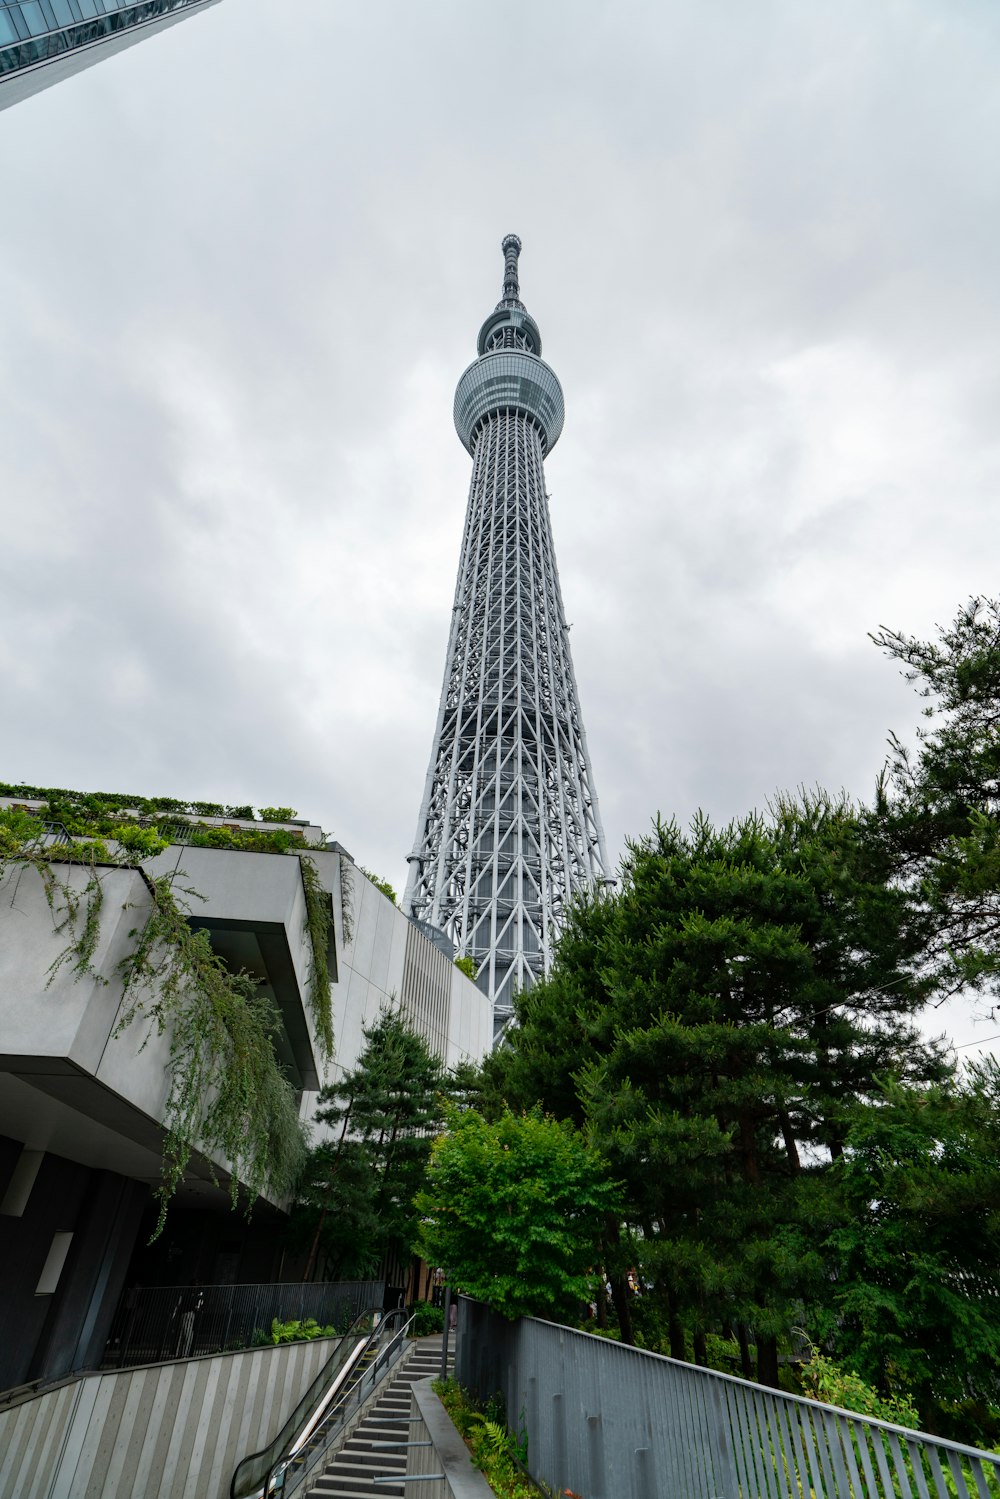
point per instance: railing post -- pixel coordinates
(595, 1457)
(558, 1438)
(444, 1336)
(645, 1476)
(229, 1321)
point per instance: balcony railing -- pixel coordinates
(165, 1322)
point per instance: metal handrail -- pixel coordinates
(370, 1377)
(283, 1463)
(705, 1433)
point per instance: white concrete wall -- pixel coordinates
(65, 1076)
(165, 1431)
(370, 978)
(58, 1032)
(68, 1083)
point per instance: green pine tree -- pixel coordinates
(359, 1189)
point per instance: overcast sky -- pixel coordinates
(244, 263)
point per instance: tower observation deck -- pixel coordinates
(509, 826)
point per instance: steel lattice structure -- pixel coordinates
(509, 826)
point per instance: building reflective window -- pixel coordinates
(17, 20)
(31, 12)
(37, 31)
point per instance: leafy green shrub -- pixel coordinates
(722, 1354)
(824, 1379)
(498, 1455)
(16, 829)
(426, 1319)
(142, 843)
(277, 814)
(973, 1421)
(514, 1207)
(382, 885)
(467, 966)
(296, 1332)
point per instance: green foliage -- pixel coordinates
(382, 885)
(140, 843)
(513, 1209)
(335, 1221)
(76, 913)
(347, 899)
(244, 840)
(824, 1379)
(427, 1319)
(319, 921)
(498, 1455)
(295, 1332)
(18, 830)
(738, 1027)
(227, 1094)
(917, 1290)
(356, 1197)
(103, 814)
(467, 966)
(277, 814)
(714, 1024)
(937, 813)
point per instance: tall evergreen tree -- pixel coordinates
(916, 1301)
(938, 810)
(360, 1184)
(715, 1022)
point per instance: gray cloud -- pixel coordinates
(245, 264)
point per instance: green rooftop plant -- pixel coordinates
(382, 885)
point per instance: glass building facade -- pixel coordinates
(42, 41)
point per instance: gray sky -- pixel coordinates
(245, 262)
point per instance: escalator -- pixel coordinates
(371, 1348)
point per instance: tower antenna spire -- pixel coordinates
(511, 290)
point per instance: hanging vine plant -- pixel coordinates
(227, 1091)
(347, 900)
(319, 919)
(227, 1094)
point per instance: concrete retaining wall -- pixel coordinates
(446, 1454)
(166, 1431)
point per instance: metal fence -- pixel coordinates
(613, 1422)
(165, 1322)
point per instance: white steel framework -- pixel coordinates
(509, 826)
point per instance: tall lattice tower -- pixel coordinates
(509, 826)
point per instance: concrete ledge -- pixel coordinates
(447, 1454)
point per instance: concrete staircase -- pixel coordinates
(350, 1473)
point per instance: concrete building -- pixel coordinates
(44, 41)
(82, 1104)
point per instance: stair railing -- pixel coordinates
(369, 1349)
